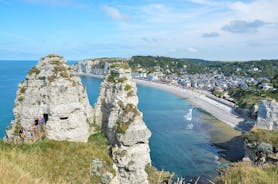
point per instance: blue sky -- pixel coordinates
(78, 29)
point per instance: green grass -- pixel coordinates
(128, 87)
(248, 98)
(260, 135)
(53, 161)
(129, 111)
(34, 70)
(22, 90)
(157, 177)
(121, 80)
(120, 65)
(245, 173)
(111, 78)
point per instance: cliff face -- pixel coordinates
(91, 66)
(268, 115)
(117, 113)
(53, 91)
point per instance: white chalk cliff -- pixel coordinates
(51, 89)
(117, 113)
(268, 114)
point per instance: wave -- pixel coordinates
(188, 116)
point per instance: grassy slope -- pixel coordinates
(245, 173)
(51, 162)
(260, 135)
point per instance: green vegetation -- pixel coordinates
(157, 177)
(123, 79)
(34, 70)
(128, 116)
(260, 135)
(131, 93)
(62, 70)
(56, 62)
(53, 162)
(218, 93)
(99, 139)
(111, 78)
(266, 68)
(175, 65)
(51, 78)
(128, 87)
(22, 90)
(21, 98)
(120, 65)
(245, 173)
(247, 98)
(51, 55)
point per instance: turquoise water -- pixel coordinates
(175, 145)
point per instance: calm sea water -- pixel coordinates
(178, 144)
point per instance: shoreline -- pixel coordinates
(217, 109)
(221, 111)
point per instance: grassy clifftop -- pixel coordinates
(260, 135)
(53, 162)
(245, 173)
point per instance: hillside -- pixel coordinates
(260, 68)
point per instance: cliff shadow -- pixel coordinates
(232, 150)
(245, 125)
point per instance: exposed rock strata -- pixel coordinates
(52, 89)
(117, 113)
(94, 66)
(261, 153)
(268, 115)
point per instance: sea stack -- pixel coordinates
(52, 91)
(117, 114)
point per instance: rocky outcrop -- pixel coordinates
(91, 66)
(261, 153)
(53, 91)
(268, 115)
(117, 113)
(261, 146)
(95, 66)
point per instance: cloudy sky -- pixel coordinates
(77, 29)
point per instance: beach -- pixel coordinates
(200, 99)
(223, 112)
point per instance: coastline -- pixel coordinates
(220, 111)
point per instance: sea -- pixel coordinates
(179, 143)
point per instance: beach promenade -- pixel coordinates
(219, 110)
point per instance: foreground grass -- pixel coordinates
(51, 162)
(157, 177)
(245, 173)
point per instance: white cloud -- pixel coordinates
(193, 50)
(265, 10)
(115, 13)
